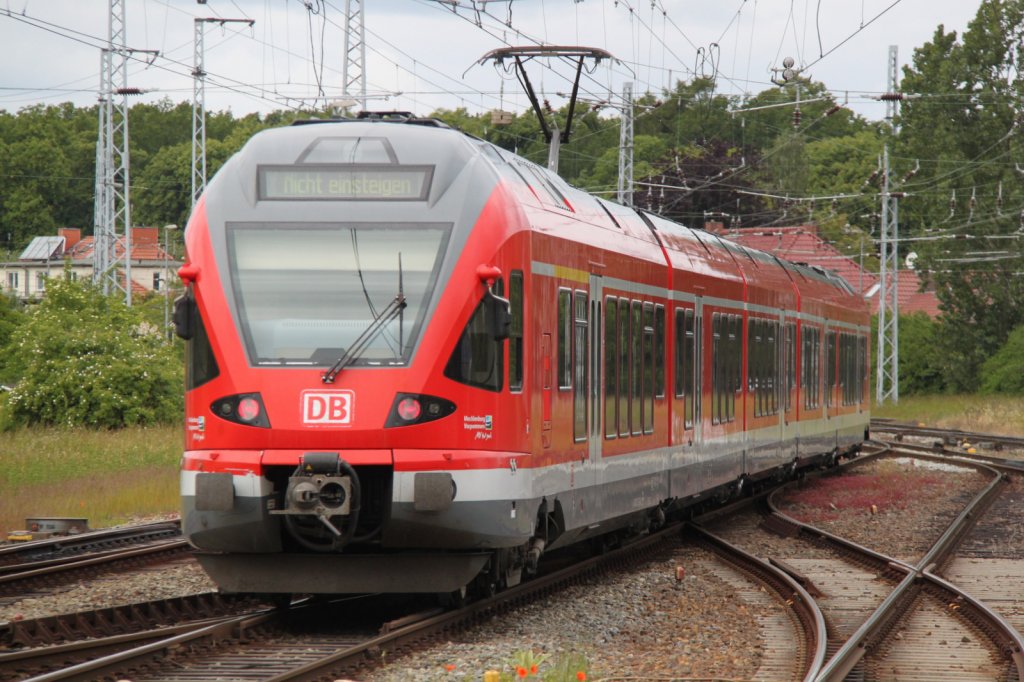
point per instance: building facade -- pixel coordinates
(45, 257)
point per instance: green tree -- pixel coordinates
(11, 317)
(1003, 372)
(85, 359)
(961, 126)
(923, 368)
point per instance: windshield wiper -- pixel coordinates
(352, 353)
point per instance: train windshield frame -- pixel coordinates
(303, 292)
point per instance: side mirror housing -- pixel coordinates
(501, 316)
(184, 316)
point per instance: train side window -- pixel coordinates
(863, 375)
(649, 386)
(564, 334)
(844, 368)
(716, 369)
(689, 338)
(755, 365)
(200, 363)
(611, 365)
(636, 337)
(659, 351)
(623, 367)
(478, 360)
(735, 364)
(752, 363)
(813, 358)
(790, 362)
(515, 339)
(830, 368)
(774, 377)
(580, 361)
(679, 355)
(807, 367)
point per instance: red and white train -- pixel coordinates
(416, 362)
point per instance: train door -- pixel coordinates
(595, 433)
(583, 469)
(545, 382)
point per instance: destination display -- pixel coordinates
(344, 183)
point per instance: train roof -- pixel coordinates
(431, 141)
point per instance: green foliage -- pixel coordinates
(962, 131)
(11, 316)
(85, 359)
(1004, 371)
(922, 364)
(528, 665)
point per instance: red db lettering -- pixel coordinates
(327, 408)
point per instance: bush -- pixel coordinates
(1004, 371)
(85, 359)
(923, 365)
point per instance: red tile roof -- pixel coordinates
(141, 250)
(801, 244)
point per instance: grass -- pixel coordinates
(108, 477)
(1003, 415)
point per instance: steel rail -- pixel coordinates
(31, 573)
(1009, 466)
(11, 553)
(119, 620)
(1001, 633)
(231, 627)
(792, 594)
(395, 638)
(947, 435)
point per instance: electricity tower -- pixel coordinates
(887, 378)
(625, 188)
(112, 205)
(353, 71)
(199, 102)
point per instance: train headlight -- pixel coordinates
(243, 408)
(417, 408)
(409, 409)
(248, 410)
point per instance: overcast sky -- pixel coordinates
(423, 54)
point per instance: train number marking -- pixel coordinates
(327, 408)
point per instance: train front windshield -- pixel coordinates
(304, 293)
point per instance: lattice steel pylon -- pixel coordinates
(112, 209)
(353, 71)
(887, 378)
(199, 101)
(625, 189)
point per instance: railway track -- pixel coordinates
(65, 546)
(846, 609)
(982, 441)
(305, 641)
(267, 645)
(28, 576)
(44, 564)
(894, 619)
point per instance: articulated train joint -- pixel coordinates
(323, 493)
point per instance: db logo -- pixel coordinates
(331, 408)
